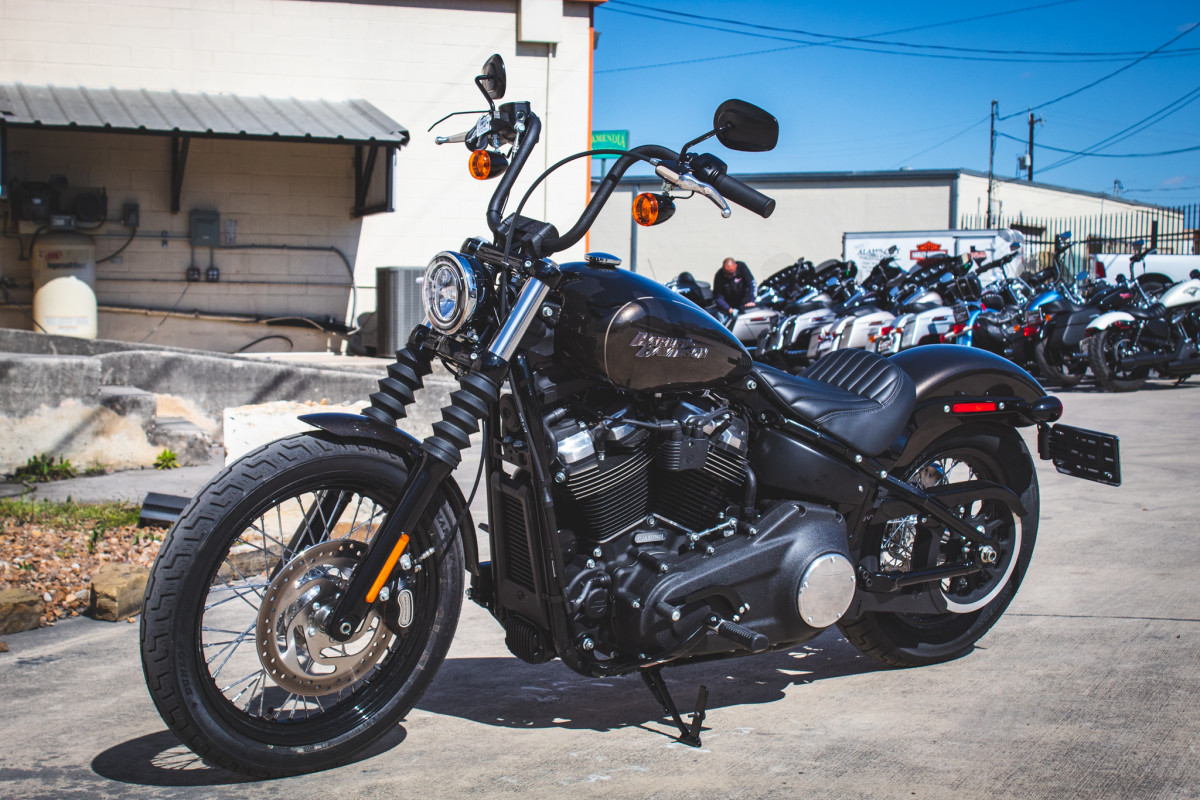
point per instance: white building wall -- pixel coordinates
(1011, 197)
(414, 63)
(809, 220)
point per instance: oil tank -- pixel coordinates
(64, 281)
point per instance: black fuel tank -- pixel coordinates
(637, 334)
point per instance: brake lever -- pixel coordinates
(689, 183)
(453, 138)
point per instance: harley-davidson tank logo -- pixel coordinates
(666, 347)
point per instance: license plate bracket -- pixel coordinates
(1090, 455)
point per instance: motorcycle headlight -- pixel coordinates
(451, 291)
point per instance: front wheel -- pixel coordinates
(1105, 349)
(975, 602)
(1057, 372)
(232, 648)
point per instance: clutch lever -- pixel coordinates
(689, 183)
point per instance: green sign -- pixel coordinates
(610, 140)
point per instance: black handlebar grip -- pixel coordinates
(734, 190)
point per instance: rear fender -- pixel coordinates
(1107, 320)
(357, 428)
(946, 376)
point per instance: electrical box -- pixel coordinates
(205, 228)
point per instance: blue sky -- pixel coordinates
(843, 107)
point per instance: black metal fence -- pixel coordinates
(1168, 230)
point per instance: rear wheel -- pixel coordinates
(1105, 349)
(975, 602)
(232, 647)
(1057, 371)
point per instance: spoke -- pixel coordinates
(262, 673)
(232, 648)
(354, 519)
(374, 515)
(246, 581)
(254, 675)
(234, 596)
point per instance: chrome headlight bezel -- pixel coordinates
(450, 292)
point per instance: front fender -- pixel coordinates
(944, 373)
(355, 427)
(1107, 320)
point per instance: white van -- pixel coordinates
(1162, 269)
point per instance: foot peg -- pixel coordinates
(688, 734)
(738, 634)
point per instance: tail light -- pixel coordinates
(1101, 272)
(1029, 331)
(959, 327)
(973, 408)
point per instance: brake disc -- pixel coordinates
(293, 649)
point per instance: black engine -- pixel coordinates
(669, 552)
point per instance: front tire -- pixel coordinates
(1104, 348)
(973, 603)
(231, 647)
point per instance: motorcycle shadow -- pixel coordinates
(510, 693)
(159, 759)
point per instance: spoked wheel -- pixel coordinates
(974, 602)
(232, 646)
(1105, 349)
(1057, 371)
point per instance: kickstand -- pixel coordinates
(658, 687)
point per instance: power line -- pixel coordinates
(1142, 124)
(970, 127)
(1166, 189)
(831, 42)
(1113, 74)
(1058, 56)
(1100, 155)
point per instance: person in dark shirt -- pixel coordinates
(733, 286)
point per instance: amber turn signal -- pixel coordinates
(483, 165)
(652, 209)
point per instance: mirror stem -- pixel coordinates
(698, 140)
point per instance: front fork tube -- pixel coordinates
(441, 455)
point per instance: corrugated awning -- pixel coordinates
(184, 115)
(198, 114)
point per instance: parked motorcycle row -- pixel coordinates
(1047, 321)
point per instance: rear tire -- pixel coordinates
(1103, 350)
(976, 602)
(231, 651)
(1060, 374)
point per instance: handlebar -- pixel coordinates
(711, 180)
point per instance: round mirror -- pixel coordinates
(492, 81)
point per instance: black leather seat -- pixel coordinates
(1153, 312)
(859, 397)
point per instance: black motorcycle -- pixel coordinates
(653, 496)
(1060, 352)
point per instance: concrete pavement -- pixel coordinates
(1086, 688)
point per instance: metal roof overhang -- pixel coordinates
(184, 116)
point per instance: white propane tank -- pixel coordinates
(64, 280)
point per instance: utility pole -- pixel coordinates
(1032, 121)
(991, 160)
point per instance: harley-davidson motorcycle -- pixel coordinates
(654, 497)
